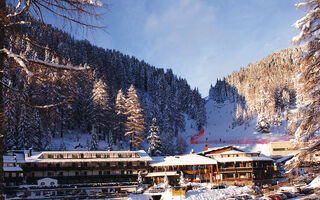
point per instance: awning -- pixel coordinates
(156, 174)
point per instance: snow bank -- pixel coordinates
(217, 194)
(315, 183)
(139, 197)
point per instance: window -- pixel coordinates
(50, 156)
(279, 149)
(52, 183)
(74, 165)
(49, 174)
(42, 183)
(100, 172)
(74, 156)
(106, 172)
(77, 173)
(141, 163)
(60, 173)
(122, 172)
(58, 165)
(98, 155)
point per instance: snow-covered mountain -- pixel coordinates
(219, 131)
(161, 93)
(253, 106)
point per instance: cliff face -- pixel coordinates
(266, 89)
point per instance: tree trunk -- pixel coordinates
(2, 24)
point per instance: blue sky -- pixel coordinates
(200, 40)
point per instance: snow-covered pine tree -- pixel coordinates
(135, 121)
(181, 145)
(94, 139)
(309, 80)
(154, 140)
(101, 108)
(121, 116)
(12, 19)
(28, 129)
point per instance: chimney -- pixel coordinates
(30, 152)
(206, 147)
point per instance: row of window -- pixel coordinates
(88, 155)
(85, 173)
(13, 174)
(88, 164)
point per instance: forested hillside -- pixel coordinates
(266, 89)
(54, 102)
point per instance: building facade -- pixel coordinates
(237, 167)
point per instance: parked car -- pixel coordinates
(289, 194)
(274, 197)
(244, 197)
(291, 189)
(264, 198)
(218, 187)
(306, 191)
(281, 196)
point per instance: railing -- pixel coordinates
(77, 168)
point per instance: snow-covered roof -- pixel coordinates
(39, 156)
(8, 159)
(12, 169)
(156, 174)
(233, 152)
(240, 159)
(284, 158)
(187, 159)
(216, 149)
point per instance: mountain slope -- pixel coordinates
(162, 94)
(253, 106)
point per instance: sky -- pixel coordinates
(200, 40)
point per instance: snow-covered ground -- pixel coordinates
(219, 131)
(200, 194)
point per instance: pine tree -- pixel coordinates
(308, 115)
(121, 116)
(135, 121)
(94, 139)
(101, 108)
(154, 140)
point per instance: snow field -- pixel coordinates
(200, 194)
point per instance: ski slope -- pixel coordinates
(219, 131)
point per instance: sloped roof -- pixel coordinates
(217, 149)
(240, 159)
(156, 174)
(12, 169)
(233, 152)
(187, 159)
(36, 157)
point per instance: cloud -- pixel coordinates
(201, 40)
